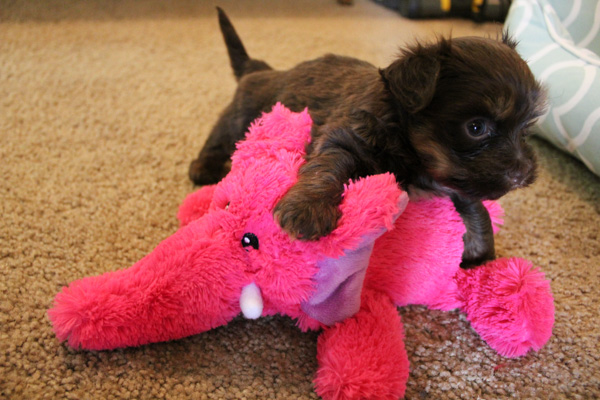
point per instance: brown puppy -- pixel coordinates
(448, 118)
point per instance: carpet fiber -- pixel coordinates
(102, 107)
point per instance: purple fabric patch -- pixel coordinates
(339, 280)
(339, 285)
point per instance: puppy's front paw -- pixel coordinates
(306, 218)
(203, 173)
(478, 251)
(472, 262)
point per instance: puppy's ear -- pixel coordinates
(412, 78)
(508, 40)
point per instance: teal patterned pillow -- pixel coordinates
(559, 46)
(582, 19)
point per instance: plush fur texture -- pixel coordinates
(448, 118)
(351, 367)
(193, 280)
(499, 300)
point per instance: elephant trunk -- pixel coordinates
(189, 284)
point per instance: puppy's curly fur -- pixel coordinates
(449, 118)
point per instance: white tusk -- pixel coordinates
(251, 301)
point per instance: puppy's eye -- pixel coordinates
(477, 127)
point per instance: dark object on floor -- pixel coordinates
(478, 10)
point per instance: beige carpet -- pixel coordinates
(103, 105)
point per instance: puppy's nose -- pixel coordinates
(519, 177)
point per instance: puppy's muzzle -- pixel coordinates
(521, 176)
(517, 179)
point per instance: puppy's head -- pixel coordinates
(469, 103)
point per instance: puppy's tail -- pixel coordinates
(241, 63)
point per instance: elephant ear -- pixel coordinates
(278, 131)
(369, 208)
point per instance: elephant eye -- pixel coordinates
(250, 239)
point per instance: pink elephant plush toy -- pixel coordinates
(231, 257)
